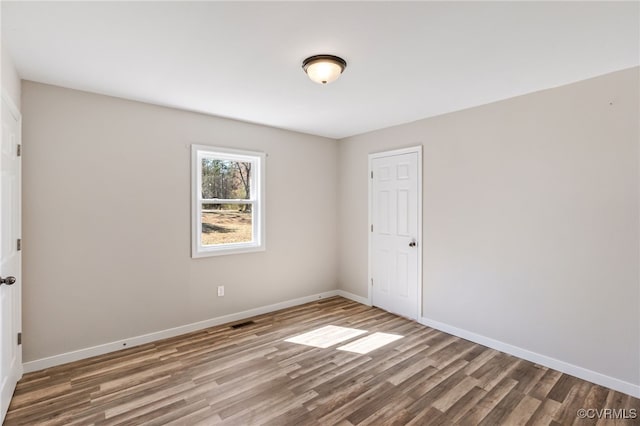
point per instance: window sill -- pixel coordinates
(223, 251)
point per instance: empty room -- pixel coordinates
(320, 213)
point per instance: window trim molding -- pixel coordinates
(259, 224)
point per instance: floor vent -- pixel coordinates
(243, 324)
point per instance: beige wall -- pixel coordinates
(530, 221)
(107, 220)
(10, 78)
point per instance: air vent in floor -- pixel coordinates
(243, 324)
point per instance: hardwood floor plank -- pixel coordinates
(343, 411)
(545, 413)
(373, 405)
(296, 416)
(430, 416)
(252, 376)
(324, 404)
(276, 410)
(521, 414)
(146, 413)
(454, 394)
(328, 381)
(147, 399)
(503, 409)
(456, 349)
(393, 411)
(52, 409)
(620, 401)
(435, 379)
(542, 388)
(596, 397)
(480, 360)
(486, 404)
(409, 368)
(573, 401)
(562, 388)
(437, 392)
(468, 401)
(498, 368)
(527, 375)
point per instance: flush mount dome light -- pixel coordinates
(324, 69)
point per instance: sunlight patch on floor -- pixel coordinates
(326, 336)
(370, 343)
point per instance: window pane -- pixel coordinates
(227, 204)
(226, 223)
(225, 179)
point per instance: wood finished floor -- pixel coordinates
(251, 376)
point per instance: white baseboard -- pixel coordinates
(64, 358)
(564, 367)
(354, 297)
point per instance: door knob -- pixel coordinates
(412, 243)
(8, 280)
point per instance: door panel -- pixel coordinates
(394, 261)
(384, 215)
(10, 257)
(403, 213)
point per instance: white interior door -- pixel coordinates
(394, 246)
(10, 255)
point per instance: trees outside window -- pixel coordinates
(228, 201)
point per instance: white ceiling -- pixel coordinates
(406, 61)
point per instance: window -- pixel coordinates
(228, 201)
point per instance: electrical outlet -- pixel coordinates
(220, 290)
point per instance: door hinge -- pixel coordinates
(371, 174)
(371, 227)
(20, 338)
(19, 150)
(19, 244)
(371, 282)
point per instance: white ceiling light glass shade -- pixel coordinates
(324, 69)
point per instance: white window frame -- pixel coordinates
(257, 200)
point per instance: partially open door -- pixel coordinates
(10, 254)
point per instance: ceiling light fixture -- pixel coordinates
(324, 69)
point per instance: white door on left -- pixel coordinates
(10, 255)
